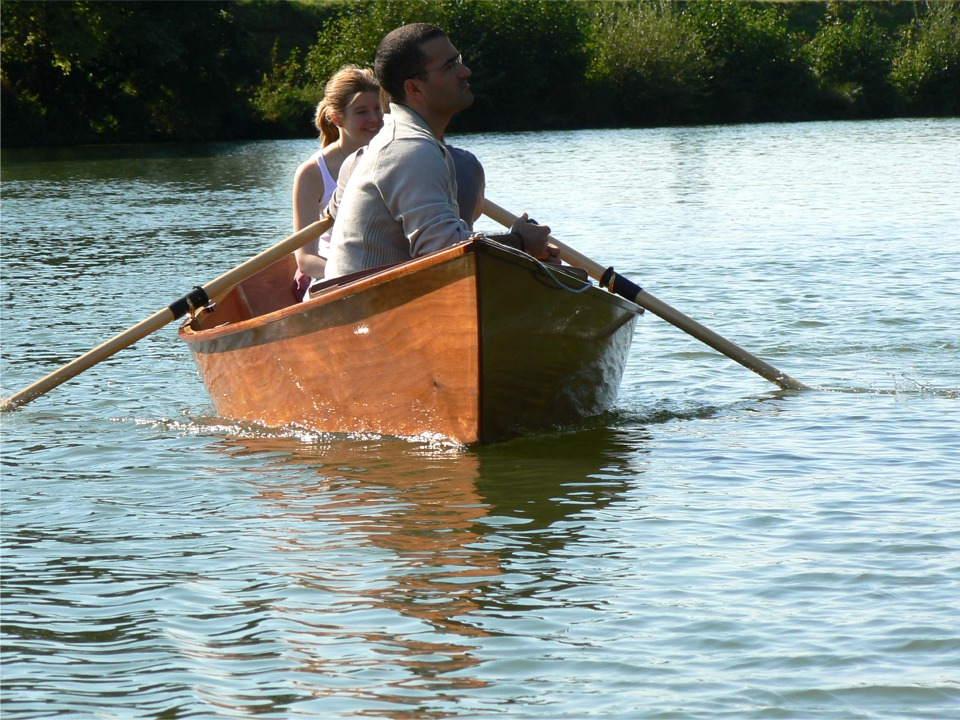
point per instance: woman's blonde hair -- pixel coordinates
(348, 82)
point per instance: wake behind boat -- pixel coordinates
(478, 343)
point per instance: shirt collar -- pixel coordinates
(402, 112)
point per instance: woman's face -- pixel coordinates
(363, 118)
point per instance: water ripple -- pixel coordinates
(713, 548)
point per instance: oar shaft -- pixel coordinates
(88, 360)
(219, 286)
(717, 342)
(641, 297)
(213, 289)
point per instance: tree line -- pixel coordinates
(83, 72)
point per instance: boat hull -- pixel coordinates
(476, 343)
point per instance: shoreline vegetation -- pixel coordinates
(146, 72)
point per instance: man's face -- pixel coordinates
(445, 77)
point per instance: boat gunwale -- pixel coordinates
(363, 281)
(368, 279)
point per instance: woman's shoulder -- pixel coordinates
(308, 176)
(309, 167)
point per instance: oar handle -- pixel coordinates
(567, 254)
(198, 296)
(617, 283)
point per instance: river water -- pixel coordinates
(714, 548)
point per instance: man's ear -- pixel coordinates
(413, 89)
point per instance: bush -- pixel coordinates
(927, 70)
(285, 99)
(99, 72)
(527, 57)
(88, 72)
(852, 59)
(647, 67)
(759, 71)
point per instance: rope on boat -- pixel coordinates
(551, 273)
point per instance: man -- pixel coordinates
(401, 198)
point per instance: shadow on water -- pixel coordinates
(545, 479)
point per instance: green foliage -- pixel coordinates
(927, 70)
(285, 97)
(852, 58)
(82, 71)
(526, 55)
(758, 69)
(647, 66)
(528, 60)
(88, 71)
(351, 37)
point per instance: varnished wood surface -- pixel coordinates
(414, 349)
(395, 356)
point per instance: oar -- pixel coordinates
(624, 287)
(197, 298)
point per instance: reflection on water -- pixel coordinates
(544, 480)
(405, 543)
(411, 516)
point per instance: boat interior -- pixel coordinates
(267, 291)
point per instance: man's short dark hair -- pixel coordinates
(400, 56)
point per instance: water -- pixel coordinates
(714, 548)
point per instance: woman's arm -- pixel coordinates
(307, 191)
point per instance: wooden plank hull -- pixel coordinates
(476, 343)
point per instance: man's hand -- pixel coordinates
(535, 240)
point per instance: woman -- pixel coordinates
(348, 117)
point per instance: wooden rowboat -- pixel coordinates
(478, 343)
